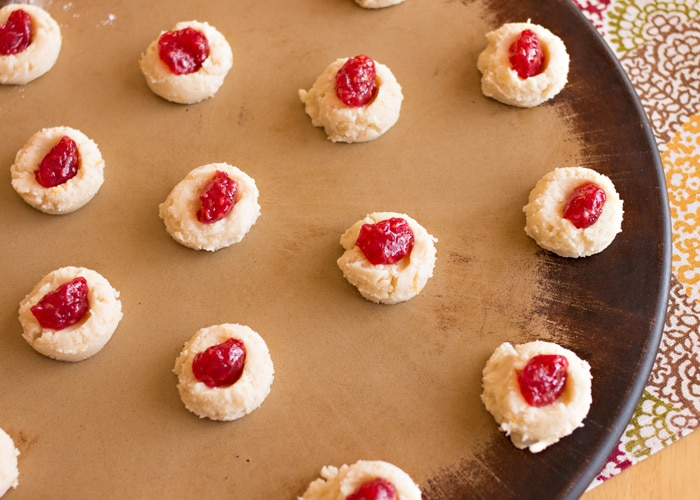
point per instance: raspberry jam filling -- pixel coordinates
(377, 489)
(60, 164)
(526, 55)
(220, 365)
(183, 51)
(543, 379)
(387, 241)
(16, 33)
(585, 205)
(64, 306)
(356, 81)
(217, 198)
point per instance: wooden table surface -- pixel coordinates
(670, 473)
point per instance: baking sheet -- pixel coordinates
(354, 380)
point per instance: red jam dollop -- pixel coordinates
(217, 198)
(585, 205)
(64, 306)
(220, 365)
(543, 379)
(387, 241)
(60, 164)
(526, 55)
(183, 51)
(377, 489)
(16, 33)
(356, 81)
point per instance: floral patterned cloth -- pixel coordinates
(658, 44)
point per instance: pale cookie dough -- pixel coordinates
(532, 427)
(9, 472)
(40, 55)
(234, 401)
(86, 337)
(388, 283)
(72, 194)
(501, 82)
(353, 124)
(377, 4)
(545, 208)
(338, 483)
(179, 210)
(193, 87)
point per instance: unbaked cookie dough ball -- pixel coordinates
(33, 44)
(70, 314)
(355, 100)
(224, 372)
(213, 207)
(9, 472)
(377, 4)
(573, 212)
(538, 392)
(341, 483)
(515, 72)
(58, 170)
(187, 64)
(388, 256)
